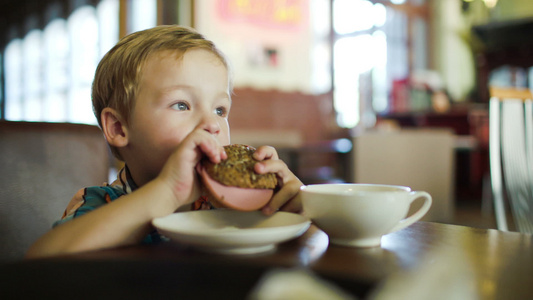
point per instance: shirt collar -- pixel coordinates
(125, 181)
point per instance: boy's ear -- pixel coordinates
(114, 128)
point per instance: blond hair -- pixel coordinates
(117, 76)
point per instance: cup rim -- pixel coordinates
(317, 188)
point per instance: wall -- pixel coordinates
(512, 9)
(312, 116)
(453, 40)
(288, 88)
(452, 55)
(271, 44)
(286, 96)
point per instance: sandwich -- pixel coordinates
(233, 183)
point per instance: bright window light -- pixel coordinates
(144, 14)
(380, 14)
(83, 31)
(13, 80)
(379, 73)
(48, 73)
(353, 57)
(32, 67)
(357, 15)
(356, 53)
(107, 13)
(352, 15)
(56, 50)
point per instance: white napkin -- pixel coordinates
(441, 275)
(296, 284)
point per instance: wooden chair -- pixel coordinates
(42, 165)
(511, 157)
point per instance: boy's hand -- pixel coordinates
(286, 197)
(179, 170)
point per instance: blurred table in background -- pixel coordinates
(312, 162)
(470, 125)
(325, 161)
(422, 159)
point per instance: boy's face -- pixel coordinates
(174, 98)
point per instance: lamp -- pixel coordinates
(490, 3)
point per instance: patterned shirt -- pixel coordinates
(90, 198)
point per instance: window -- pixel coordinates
(1, 87)
(108, 25)
(372, 47)
(56, 51)
(49, 72)
(143, 15)
(32, 69)
(13, 80)
(83, 59)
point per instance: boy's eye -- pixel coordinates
(221, 111)
(180, 106)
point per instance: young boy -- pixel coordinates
(162, 98)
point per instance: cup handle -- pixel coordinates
(418, 214)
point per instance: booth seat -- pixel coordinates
(42, 165)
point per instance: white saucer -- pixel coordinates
(232, 232)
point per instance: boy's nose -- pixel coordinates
(210, 124)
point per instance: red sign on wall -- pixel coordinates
(281, 14)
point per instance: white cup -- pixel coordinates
(358, 215)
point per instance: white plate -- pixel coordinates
(231, 232)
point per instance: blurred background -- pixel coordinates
(311, 76)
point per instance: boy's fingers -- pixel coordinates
(274, 166)
(208, 145)
(214, 152)
(287, 199)
(266, 152)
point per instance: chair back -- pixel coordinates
(511, 156)
(42, 165)
(423, 159)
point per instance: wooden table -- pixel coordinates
(492, 264)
